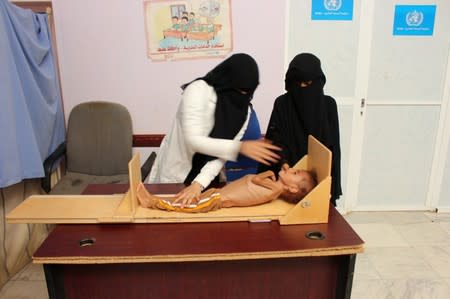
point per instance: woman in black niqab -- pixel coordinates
(305, 110)
(234, 81)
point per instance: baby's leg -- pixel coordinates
(209, 201)
(146, 199)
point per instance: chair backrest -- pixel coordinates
(99, 139)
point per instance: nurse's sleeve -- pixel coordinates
(212, 168)
(198, 121)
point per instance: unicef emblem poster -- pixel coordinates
(414, 19)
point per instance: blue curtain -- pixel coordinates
(31, 117)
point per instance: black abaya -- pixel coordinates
(303, 111)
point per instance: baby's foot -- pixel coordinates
(145, 198)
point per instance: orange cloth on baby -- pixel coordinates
(213, 203)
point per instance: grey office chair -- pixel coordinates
(97, 150)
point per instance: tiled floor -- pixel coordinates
(407, 256)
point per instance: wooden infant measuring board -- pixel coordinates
(124, 208)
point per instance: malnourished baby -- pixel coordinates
(253, 189)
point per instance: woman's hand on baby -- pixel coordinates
(261, 151)
(188, 195)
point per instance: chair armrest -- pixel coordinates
(49, 164)
(147, 166)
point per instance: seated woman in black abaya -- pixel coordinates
(304, 110)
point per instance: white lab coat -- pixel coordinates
(189, 135)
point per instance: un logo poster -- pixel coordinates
(414, 19)
(187, 29)
(337, 10)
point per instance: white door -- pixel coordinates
(390, 91)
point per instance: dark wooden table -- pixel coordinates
(198, 260)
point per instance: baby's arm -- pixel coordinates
(265, 179)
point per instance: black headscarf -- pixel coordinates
(302, 111)
(237, 73)
(309, 101)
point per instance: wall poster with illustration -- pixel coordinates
(187, 29)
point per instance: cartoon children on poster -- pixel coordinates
(187, 29)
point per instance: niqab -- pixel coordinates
(309, 101)
(235, 75)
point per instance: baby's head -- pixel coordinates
(297, 183)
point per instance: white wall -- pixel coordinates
(102, 55)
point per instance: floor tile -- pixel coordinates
(365, 217)
(418, 289)
(379, 235)
(400, 289)
(17, 289)
(445, 226)
(438, 257)
(424, 234)
(369, 289)
(438, 217)
(30, 272)
(400, 263)
(364, 269)
(447, 280)
(412, 217)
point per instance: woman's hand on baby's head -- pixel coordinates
(261, 151)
